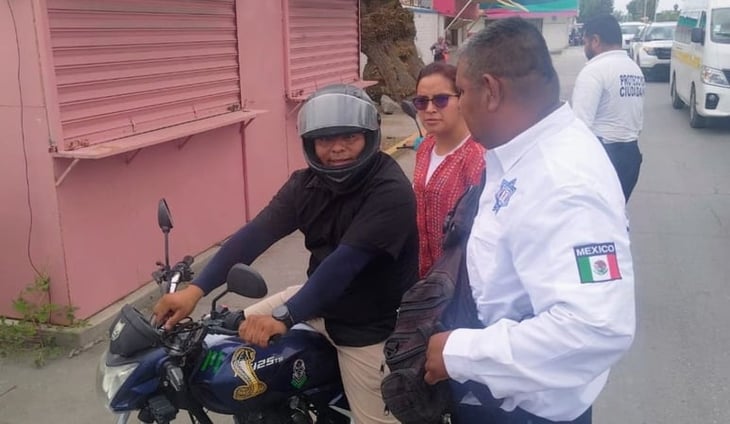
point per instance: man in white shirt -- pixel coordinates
(609, 97)
(548, 258)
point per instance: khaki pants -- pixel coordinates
(362, 368)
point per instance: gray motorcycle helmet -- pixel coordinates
(334, 110)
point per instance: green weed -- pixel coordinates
(26, 335)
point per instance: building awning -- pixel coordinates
(459, 23)
(529, 8)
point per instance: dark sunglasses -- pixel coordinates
(439, 100)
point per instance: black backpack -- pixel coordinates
(439, 302)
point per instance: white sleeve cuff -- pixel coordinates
(470, 354)
(456, 358)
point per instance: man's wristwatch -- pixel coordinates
(281, 313)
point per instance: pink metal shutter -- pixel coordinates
(126, 67)
(323, 44)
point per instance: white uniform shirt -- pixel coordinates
(609, 97)
(551, 273)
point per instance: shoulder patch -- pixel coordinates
(597, 263)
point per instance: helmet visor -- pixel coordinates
(338, 112)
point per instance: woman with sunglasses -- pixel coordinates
(447, 161)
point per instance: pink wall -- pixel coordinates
(15, 215)
(96, 233)
(272, 146)
(108, 212)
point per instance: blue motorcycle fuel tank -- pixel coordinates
(232, 377)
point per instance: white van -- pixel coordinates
(700, 65)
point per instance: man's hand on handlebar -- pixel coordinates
(173, 307)
(259, 329)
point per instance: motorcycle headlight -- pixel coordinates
(110, 379)
(713, 76)
(650, 51)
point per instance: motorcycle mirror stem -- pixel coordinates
(213, 309)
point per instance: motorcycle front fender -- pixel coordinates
(121, 417)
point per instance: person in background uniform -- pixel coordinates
(609, 97)
(447, 162)
(440, 49)
(357, 211)
(548, 257)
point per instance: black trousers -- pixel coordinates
(626, 159)
(467, 414)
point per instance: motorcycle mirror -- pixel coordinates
(246, 281)
(410, 110)
(164, 220)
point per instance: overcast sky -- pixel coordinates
(620, 5)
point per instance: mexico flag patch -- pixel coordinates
(597, 262)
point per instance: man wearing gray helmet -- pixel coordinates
(356, 209)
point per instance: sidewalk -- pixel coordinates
(63, 392)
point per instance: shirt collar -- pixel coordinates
(509, 153)
(600, 56)
(458, 146)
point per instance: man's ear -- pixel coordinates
(493, 92)
(592, 38)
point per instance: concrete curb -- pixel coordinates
(408, 140)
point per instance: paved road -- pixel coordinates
(677, 370)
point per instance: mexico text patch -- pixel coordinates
(597, 262)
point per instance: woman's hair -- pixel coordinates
(438, 68)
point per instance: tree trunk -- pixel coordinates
(387, 39)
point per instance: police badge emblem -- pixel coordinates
(502, 196)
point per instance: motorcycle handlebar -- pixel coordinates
(226, 323)
(222, 331)
(232, 320)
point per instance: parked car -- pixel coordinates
(652, 48)
(635, 40)
(629, 30)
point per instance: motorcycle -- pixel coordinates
(201, 365)
(575, 38)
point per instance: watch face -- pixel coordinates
(280, 312)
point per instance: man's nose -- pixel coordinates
(338, 144)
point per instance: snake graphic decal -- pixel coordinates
(242, 365)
